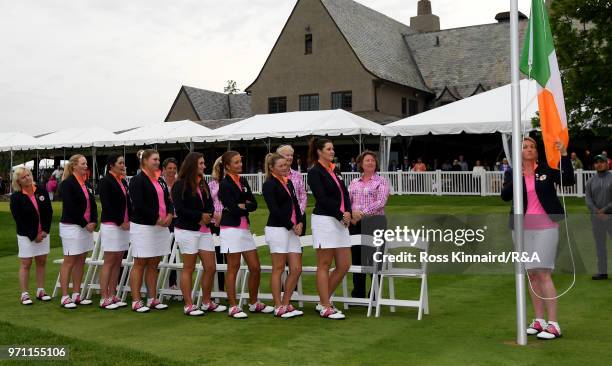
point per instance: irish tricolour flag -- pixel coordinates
(539, 62)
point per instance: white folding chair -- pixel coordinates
(173, 263)
(390, 272)
(260, 241)
(95, 252)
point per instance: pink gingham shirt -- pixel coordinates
(371, 196)
(214, 192)
(300, 190)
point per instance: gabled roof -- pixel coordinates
(378, 42)
(212, 105)
(463, 58)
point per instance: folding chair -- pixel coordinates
(260, 241)
(173, 263)
(95, 253)
(220, 267)
(391, 272)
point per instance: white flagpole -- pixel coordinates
(517, 174)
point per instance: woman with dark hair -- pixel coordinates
(283, 231)
(542, 210)
(169, 171)
(78, 222)
(32, 211)
(330, 220)
(149, 235)
(236, 238)
(368, 195)
(194, 207)
(114, 229)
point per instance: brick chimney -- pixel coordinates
(425, 21)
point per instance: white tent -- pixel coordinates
(73, 138)
(296, 124)
(43, 164)
(487, 112)
(159, 133)
(15, 140)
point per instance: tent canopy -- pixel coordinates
(296, 124)
(159, 133)
(15, 141)
(487, 112)
(73, 138)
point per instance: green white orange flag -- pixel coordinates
(539, 62)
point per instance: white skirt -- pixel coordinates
(282, 240)
(75, 239)
(190, 242)
(329, 233)
(114, 238)
(149, 241)
(234, 240)
(29, 249)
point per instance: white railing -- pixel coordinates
(440, 183)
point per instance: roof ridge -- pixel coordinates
(457, 28)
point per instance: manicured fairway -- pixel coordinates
(471, 321)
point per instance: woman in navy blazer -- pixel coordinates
(150, 238)
(32, 211)
(542, 210)
(114, 229)
(194, 208)
(79, 220)
(283, 229)
(236, 239)
(330, 220)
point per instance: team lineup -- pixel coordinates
(144, 213)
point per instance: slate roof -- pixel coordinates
(463, 58)
(211, 105)
(378, 42)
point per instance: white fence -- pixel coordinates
(441, 183)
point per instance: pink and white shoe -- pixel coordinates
(260, 307)
(139, 307)
(214, 307)
(552, 331)
(156, 304)
(283, 312)
(42, 296)
(295, 311)
(25, 299)
(237, 313)
(67, 303)
(118, 301)
(192, 310)
(331, 313)
(76, 298)
(108, 304)
(536, 326)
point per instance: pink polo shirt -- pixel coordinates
(535, 215)
(340, 188)
(35, 203)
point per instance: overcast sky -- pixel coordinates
(120, 64)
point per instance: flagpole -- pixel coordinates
(517, 174)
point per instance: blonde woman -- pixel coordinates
(152, 213)
(78, 222)
(215, 223)
(31, 209)
(283, 231)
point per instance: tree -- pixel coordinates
(583, 41)
(231, 87)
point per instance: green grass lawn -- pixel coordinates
(471, 321)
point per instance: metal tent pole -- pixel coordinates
(517, 176)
